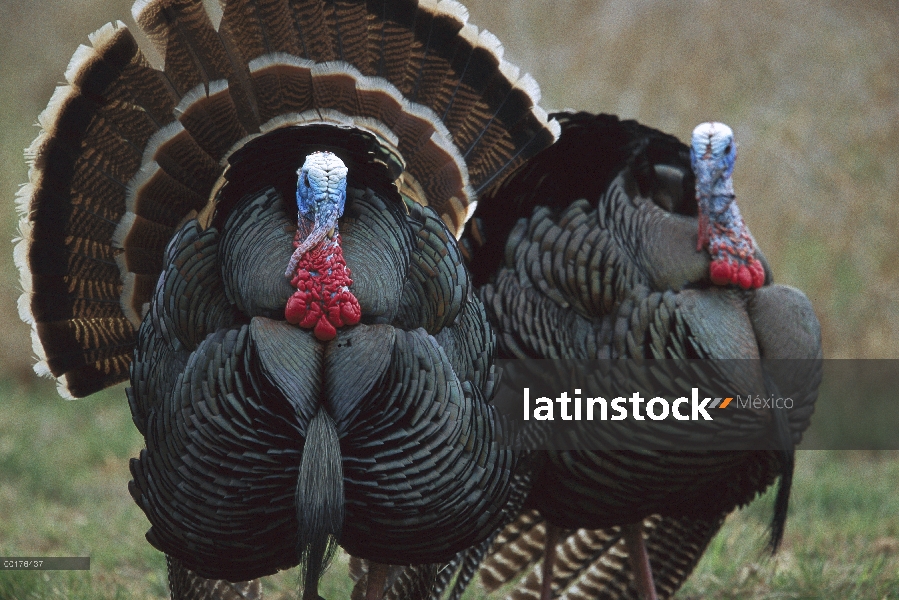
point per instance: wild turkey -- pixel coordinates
(156, 229)
(590, 251)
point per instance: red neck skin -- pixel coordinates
(323, 301)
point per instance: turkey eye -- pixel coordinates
(726, 151)
(306, 179)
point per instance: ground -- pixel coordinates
(63, 492)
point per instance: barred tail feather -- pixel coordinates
(94, 130)
(128, 152)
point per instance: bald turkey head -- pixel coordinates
(317, 269)
(321, 196)
(721, 228)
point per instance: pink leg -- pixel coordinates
(639, 559)
(549, 559)
(377, 577)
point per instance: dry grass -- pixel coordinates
(811, 90)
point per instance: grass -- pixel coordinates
(63, 492)
(841, 539)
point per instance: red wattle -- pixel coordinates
(758, 274)
(744, 279)
(324, 330)
(747, 276)
(720, 272)
(350, 313)
(323, 301)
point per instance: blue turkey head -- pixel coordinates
(321, 190)
(713, 153)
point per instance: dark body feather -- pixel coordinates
(156, 227)
(599, 260)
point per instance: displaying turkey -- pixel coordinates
(590, 251)
(346, 143)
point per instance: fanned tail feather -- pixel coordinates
(94, 131)
(129, 152)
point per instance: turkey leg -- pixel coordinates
(549, 559)
(377, 577)
(639, 559)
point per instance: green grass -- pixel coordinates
(63, 492)
(842, 538)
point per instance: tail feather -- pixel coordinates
(546, 132)
(127, 152)
(75, 353)
(174, 150)
(437, 78)
(209, 113)
(183, 34)
(143, 237)
(153, 183)
(496, 92)
(283, 84)
(195, 54)
(147, 93)
(351, 26)
(260, 27)
(476, 65)
(334, 87)
(318, 27)
(70, 209)
(424, 22)
(397, 42)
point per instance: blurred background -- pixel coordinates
(810, 89)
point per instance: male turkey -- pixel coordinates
(609, 244)
(263, 234)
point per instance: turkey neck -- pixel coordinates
(717, 205)
(715, 195)
(317, 268)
